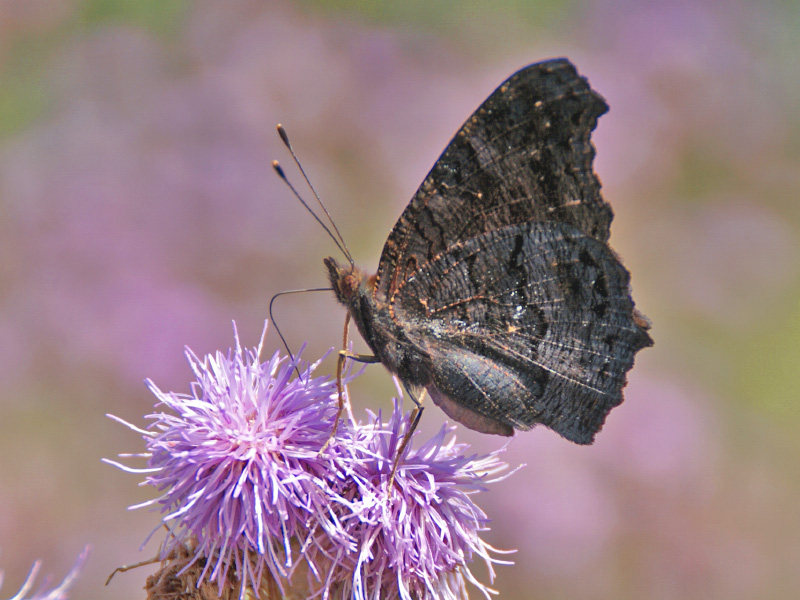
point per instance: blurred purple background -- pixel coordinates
(139, 214)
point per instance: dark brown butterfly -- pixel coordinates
(496, 290)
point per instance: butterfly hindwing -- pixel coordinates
(531, 323)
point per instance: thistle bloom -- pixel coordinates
(416, 540)
(251, 482)
(239, 463)
(59, 592)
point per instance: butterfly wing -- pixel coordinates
(530, 323)
(499, 272)
(523, 156)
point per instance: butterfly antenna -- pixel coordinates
(288, 144)
(278, 329)
(279, 170)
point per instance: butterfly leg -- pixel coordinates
(344, 355)
(416, 415)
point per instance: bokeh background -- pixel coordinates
(139, 214)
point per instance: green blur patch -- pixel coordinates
(159, 16)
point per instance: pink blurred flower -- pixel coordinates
(45, 592)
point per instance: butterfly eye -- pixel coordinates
(349, 284)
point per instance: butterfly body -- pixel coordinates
(496, 290)
(386, 337)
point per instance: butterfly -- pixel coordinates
(497, 291)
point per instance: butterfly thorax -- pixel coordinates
(355, 289)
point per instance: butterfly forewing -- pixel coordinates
(523, 156)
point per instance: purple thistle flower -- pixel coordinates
(249, 481)
(415, 542)
(59, 592)
(239, 466)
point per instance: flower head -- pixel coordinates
(417, 539)
(251, 480)
(239, 462)
(59, 592)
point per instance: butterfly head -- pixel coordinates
(347, 281)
